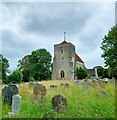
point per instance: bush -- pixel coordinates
(16, 77)
(80, 73)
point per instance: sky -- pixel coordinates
(28, 26)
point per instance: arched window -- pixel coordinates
(62, 74)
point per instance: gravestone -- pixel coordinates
(104, 94)
(39, 92)
(77, 82)
(8, 92)
(59, 103)
(39, 89)
(53, 87)
(86, 84)
(16, 105)
(64, 85)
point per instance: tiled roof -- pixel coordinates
(78, 58)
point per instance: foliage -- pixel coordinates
(36, 66)
(109, 47)
(4, 69)
(80, 73)
(15, 77)
(40, 64)
(31, 79)
(100, 70)
(24, 66)
(89, 76)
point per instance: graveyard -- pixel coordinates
(62, 99)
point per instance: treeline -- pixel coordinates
(33, 67)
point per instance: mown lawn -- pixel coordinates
(82, 103)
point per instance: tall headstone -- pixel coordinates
(16, 103)
(96, 75)
(8, 92)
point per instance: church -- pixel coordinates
(65, 61)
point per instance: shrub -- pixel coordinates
(16, 77)
(80, 73)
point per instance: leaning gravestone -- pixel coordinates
(59, 103)
(16, 105)
(8, 92)
(39, 92)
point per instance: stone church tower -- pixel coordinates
(65, 61)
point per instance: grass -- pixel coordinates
(82, 103)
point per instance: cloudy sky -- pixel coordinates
(28, 26)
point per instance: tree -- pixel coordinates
(100, 70)
(80, 73)
(40, 64)
(15, 77)
(109, 47)
(24, 66)
(4, 68)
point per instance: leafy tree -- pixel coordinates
(40, 64)
(4, 69)
(15, 77)
(80, 73)
(100, 70)
(109, 47)
(24, 66)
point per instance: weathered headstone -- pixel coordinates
(77, 82)
(104, 94)
(16, 105)
(59, 103)
(106, 80)
(64, 85)
(39, 92)
(39, 89)
(8, 92)
(86, 84)
(53, 87)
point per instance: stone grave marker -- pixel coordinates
(59, 103)
(39, 92)
(53, 87)
(64, 85)
(77, 82)
(8, 92)
(104, 94)
(86, 84)
(16, 105)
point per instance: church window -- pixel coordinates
(71, 64)
(62, 74)
(61, 51)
